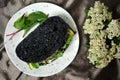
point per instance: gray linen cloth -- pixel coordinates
(79, 69)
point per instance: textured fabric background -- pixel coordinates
(79, 69)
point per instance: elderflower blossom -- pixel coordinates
(113, 29)
(101, 29)
(96, 16)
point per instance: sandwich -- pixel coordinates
(46, 43)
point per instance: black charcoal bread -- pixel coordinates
(44, 41)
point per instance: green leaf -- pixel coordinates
(87, 45)
(107, 21)
(89, 17)
(56, 55)
(59, 54)
(42, 63)
(36, 16)
(34, 65)
(116, 40)
(19, 24)
(41, 20)
(27, 22)
(86, 11)
(26, 31)
(30, 25)
(65, 46)
(97, 63)
(69, 39)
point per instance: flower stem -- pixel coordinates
(13, 34)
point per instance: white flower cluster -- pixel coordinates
(96, 16)
(102, 30)
(113, 29)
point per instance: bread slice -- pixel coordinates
(44, 41)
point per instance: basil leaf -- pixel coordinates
(41, 20)
(19, 24)
(26, 30)
(26, 22)
(35, 16)
(29, 25)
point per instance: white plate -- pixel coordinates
(57, 65)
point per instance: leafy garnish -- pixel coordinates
(69, 39)
(53, 57)
(57, 54)
(27, 22)
(26, 30)
(37, 16)
(20, 23)
(33, 65)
